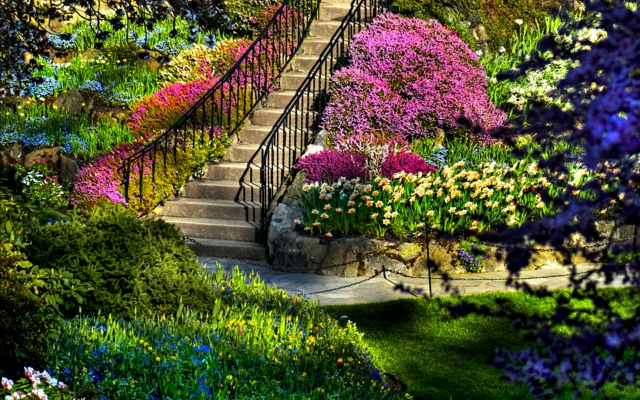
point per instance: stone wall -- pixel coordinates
(361, 256)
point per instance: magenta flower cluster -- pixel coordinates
(331, 165)
(410, 78)
(404, 161)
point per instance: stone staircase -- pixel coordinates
(222, 211)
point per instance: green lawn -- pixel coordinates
(437, 357)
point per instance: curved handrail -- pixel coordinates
(299, 123)
(231, 99)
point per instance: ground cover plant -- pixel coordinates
(436, 356)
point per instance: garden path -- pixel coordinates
(379, 289)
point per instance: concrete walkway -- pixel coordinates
(379, 289)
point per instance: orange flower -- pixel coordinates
(374, 216)
(316, 223)
(352, 211)
(338, 210)
(324, 216)
(328, 234)
(327, 207)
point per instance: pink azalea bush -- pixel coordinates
(404, 161)
(331, 165)
(410, 78)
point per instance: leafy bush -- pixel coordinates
(331, 165)
(256, 342)
(24, 320)
(409, 78)
(133, 265)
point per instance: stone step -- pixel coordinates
(269, 116)
(313, 46)
(253, 133)
(266, 116)
(333, 11)
(223, 190)
(292, 80)
(185, 207)
(280, 98)
(231, 171)
(258, 135)
(242, 231)
(323, 29)
(228, 249)
(250, 152)
(303, 63)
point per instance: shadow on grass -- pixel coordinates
(438, 357)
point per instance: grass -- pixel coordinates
(437, 357)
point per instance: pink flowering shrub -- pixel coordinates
(331, 165)
(410, 78)
(404, 161)
(99, 182)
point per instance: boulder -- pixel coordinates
(68, 170)
(409, 251)
(282, 220)
(376, 264)
(12, 154)
(50, 156)
(70, 101)
(151, 62)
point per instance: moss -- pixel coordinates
(498, 16)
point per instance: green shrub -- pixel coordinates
(23, 318)
(133, 265)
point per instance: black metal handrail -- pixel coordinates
(299, 123)
(225, 106)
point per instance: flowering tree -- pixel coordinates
(602, 123)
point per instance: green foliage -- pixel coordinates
(196, 62)
(23, 316)
(133, 265)
(254, 342)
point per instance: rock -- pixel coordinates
(321, 139)
(151, 63)
(339, 260)
(441, 259)
(294, 190)
(409, 251)
(68, 170)
(312, 148)
(375, 264)
(419, 267)
(282, 220)
(496, 259)
(106, 116)
(70, 101)
(12, 154)
(479, 33)
(89, 54)
(50, 156)
(121, 116)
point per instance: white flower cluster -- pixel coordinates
(39, 382)
(539, 85)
